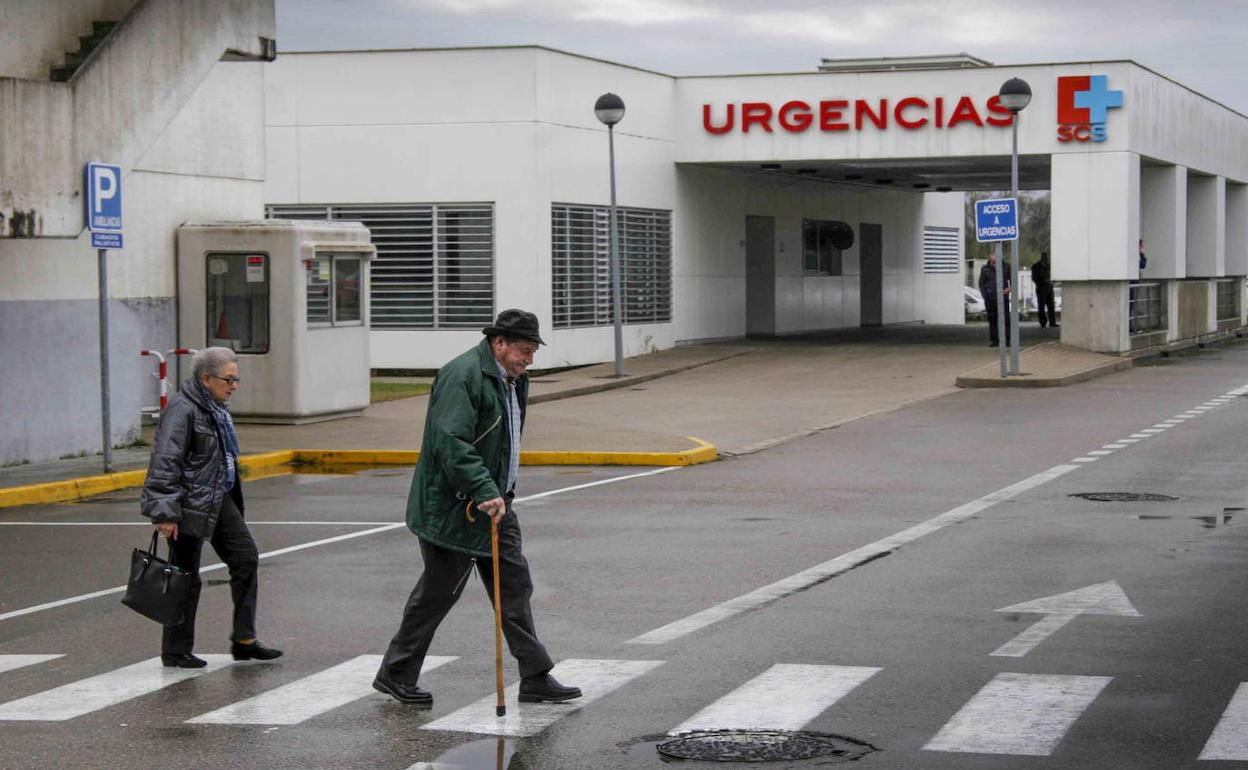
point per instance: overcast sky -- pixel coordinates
(1200, 43)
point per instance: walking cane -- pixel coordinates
(501, 708)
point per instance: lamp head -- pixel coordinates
(1015, 94)
(609, 108)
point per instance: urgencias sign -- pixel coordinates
(910, 113)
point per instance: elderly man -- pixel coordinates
(469, 459)
(193, 493)
(988, 288)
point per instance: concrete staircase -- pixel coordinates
(86, 44)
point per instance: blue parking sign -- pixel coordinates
(103, 198)
(996, 220)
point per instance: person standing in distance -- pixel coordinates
(1041, 278)
(193, 494)
(469, 460)
(988, 288)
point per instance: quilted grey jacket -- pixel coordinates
(186, 476)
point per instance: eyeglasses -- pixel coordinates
(227, 380)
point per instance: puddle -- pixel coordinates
(489, 754)
(1224, 519)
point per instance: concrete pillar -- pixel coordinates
(1094, 315)
(1163, 221)
(1206, 226)
(1236, 228)
(1095, 226)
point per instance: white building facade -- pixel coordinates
(737, 192)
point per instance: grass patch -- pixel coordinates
(391, 391)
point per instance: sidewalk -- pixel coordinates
(741, 396)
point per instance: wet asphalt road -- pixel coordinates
(614, 561)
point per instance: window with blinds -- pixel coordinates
(941, 250)
(435, 262)
(581, 265)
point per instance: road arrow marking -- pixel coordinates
(1100, 599)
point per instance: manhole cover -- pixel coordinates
(761, 746)
(1125, 497)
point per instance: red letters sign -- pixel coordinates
(910, 113)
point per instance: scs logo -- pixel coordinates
(1083, 104)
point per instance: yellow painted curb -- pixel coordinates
(269, 464)
(703, 453)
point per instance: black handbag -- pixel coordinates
(157, 589)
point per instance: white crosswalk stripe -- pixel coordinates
(11, 662)
(784, 697)
(596, 678)
(123, 684)
(300, 700)
(1025, 714)
(1230, 737)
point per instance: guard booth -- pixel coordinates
(291, 298)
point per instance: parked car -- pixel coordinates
(973, 301)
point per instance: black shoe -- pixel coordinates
(253, 651)
(182, 660)
(544, 687)
(403, 693)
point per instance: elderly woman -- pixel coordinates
(193, 493)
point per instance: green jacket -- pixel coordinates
(465, 452)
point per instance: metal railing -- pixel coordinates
(1228, 290)
(1147, 308)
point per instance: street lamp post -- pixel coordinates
(610, 110)
(1015, 95)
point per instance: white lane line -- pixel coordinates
(202, 570)
(1085, 459)
(148, 523)
(123, 684)
(1025, 714)
(1138, 436)
(315, 544)
(784, 697)
(843, 563)
(1155, 430)
(10, 662)
(1114, 446)
(1130, 440)
(612, 480)
(1101, 452)
(1230, 738)
(596, 678)
(305, 698)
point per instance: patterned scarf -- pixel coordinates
(225, 433)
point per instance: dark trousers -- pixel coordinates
(991, 309)
(446, 573)
(1045, 304)
(233, 543)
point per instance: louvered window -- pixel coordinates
(941, 250)
(435, 262)
(581, 265)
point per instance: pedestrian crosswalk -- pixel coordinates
(1012, 714)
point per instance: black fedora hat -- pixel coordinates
(515, 323)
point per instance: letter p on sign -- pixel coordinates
(103, 185)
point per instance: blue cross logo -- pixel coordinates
(1098, 99)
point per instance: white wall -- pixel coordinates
(942, 292)
(512, 127)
